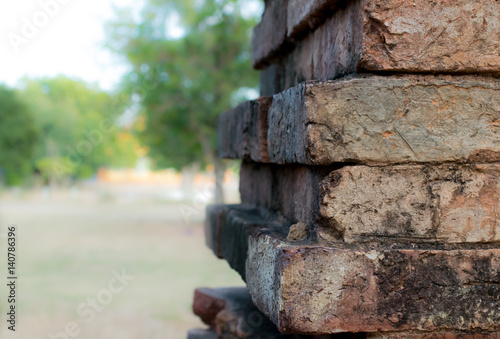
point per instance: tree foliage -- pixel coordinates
(18, 135)
(78, 131)
(184, 82)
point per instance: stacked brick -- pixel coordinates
(370, 181)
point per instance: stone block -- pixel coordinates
(391, 36)
(242, 132)
(385, 120)
(304, 16)
(270, 35)
(230, 313)
(434, 335)
(319, 289)
(228, 226)
(307, 287)
(446, 204)
(198, 333)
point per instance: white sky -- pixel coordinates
(71, 43)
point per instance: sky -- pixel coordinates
(69, 40)
(51, 37)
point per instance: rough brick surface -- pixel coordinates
(434, 335)
(227, 228)
(383, 120)
(271, 33)
(199, 333)
(373, 35)
(231, 313)
(207, 305)
(448, 203)
(330, 52)
(242, 132)
(306, 15)
(308, 288)
(436, 36)
(291, 191)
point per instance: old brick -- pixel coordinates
(228, 227)
(328, 53)
(198, 333)
(213, 222)
(231, 314)
(395, 35)
(369, 119)
(309, 288)
(318, 289)
(435, 36)
(434, 335)
(291, 191)
(270, 35)
(284, 23)
(243, 131)
(207, 305)
(305, 15)
(447, 203)
(383, 120)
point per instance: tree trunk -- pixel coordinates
(188, 176)
(219, 167)
(219, 171)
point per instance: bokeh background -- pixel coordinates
(108, 114)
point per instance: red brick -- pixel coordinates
(242, 132)
(383, 36)
(445, 204)
(385, 120)
(310, 288)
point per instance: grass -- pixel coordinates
(67, 249)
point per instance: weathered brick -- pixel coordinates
(227, 228)
(198, 333)
(291, 191)
(435, 36)
(213, 222)
(284, 23)
(243, 131)
(383, 120)
(395, 35)
(309, 288)
(447, 203)
(306, 15)
(370, 119)
(231, 313)
(270, 35)
(434, 335)
(207, 305)
(328, 53)
(318, 289)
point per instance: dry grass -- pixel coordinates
(69, 247)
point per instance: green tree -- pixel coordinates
(184, 81)
(18, 136)
(78, 128)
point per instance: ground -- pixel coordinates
(69, 245)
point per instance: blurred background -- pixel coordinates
(108, 114)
